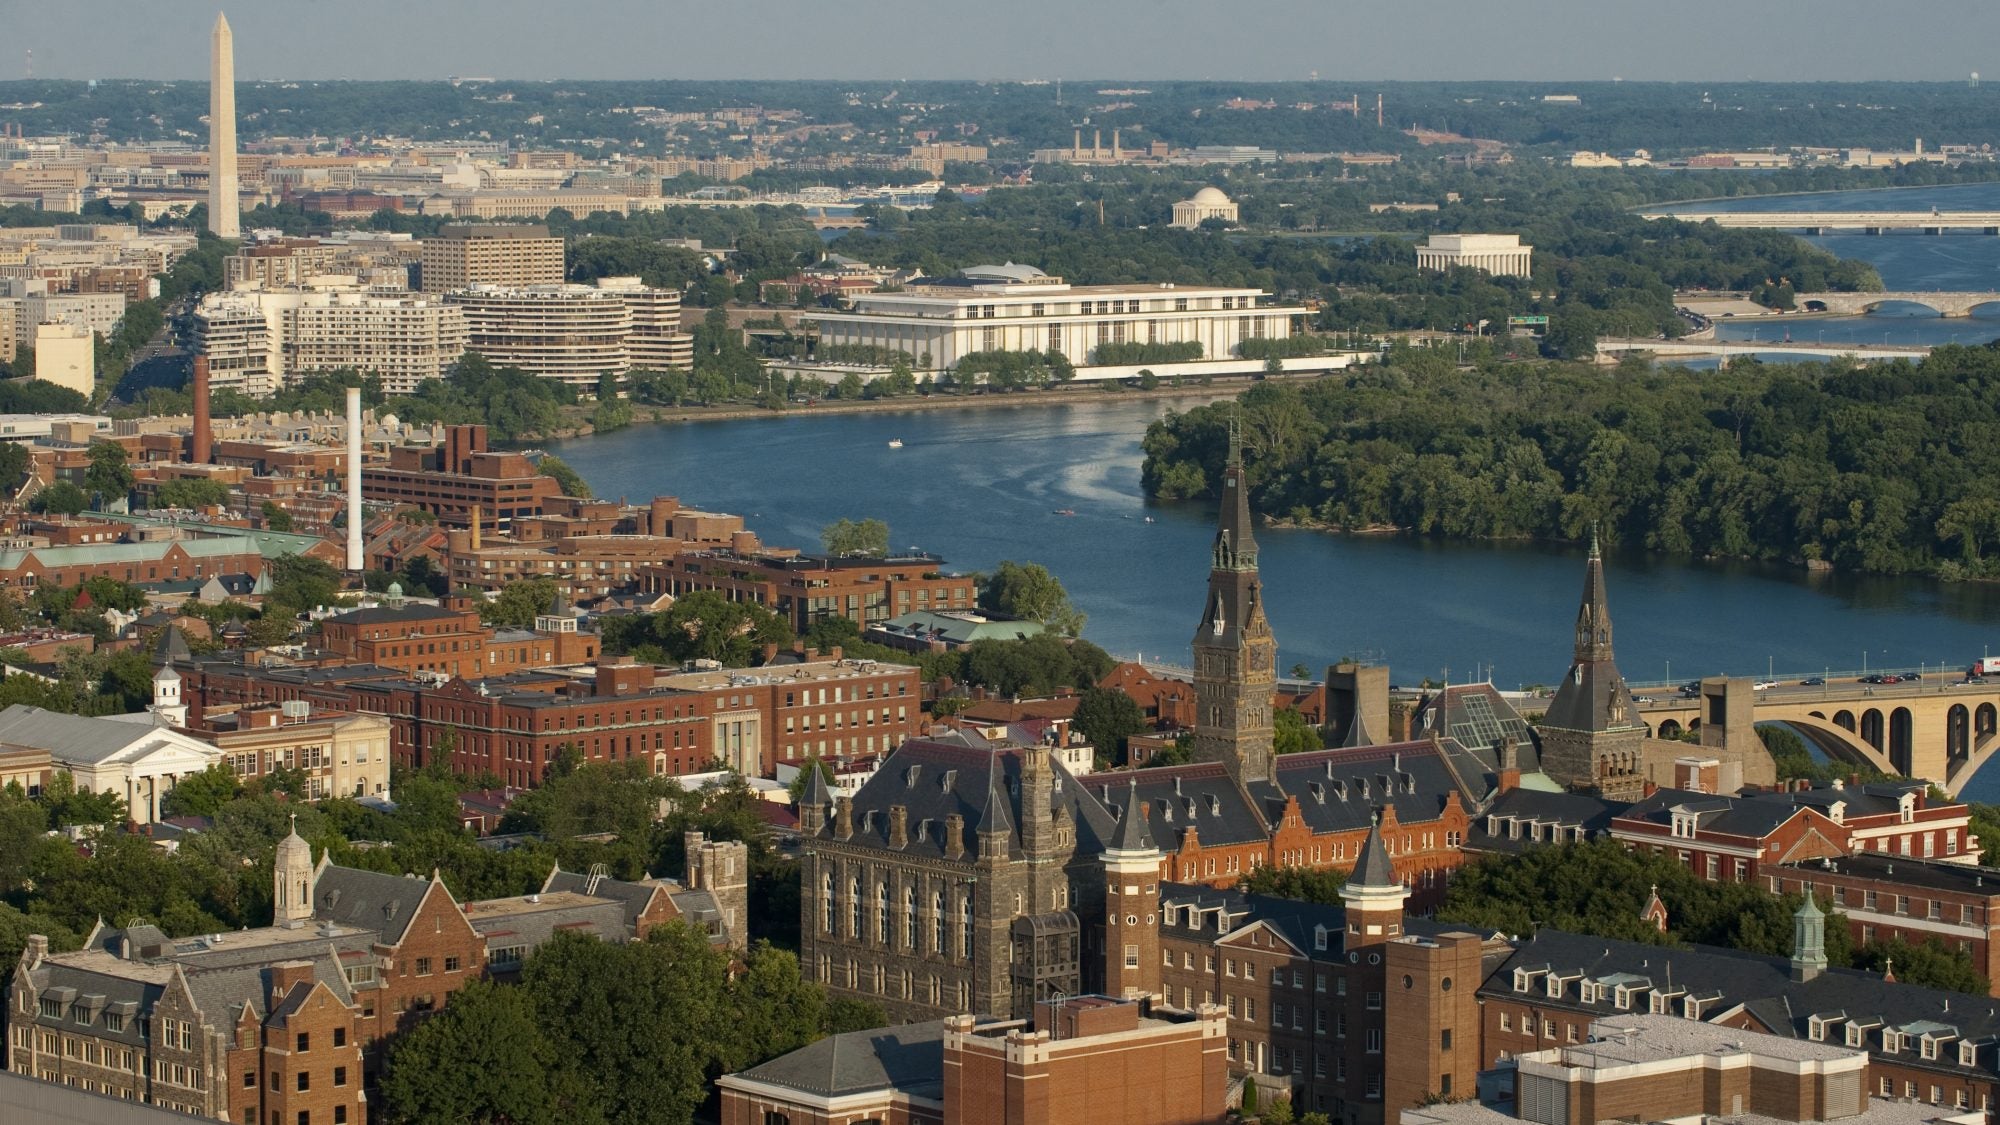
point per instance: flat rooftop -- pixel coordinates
(493, 908)
(818, 671)
(1963, 878)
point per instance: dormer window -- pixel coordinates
(1521, 980)
(1684, 825)
(1968, 1055)
(1816, 1029)
(1319, 938)
(1892, 1041)
(1853, 1037)
(1906, 807)
(1927, 1047)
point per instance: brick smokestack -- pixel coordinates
(201, 446)
(354, 561)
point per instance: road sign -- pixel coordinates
(1527, 322)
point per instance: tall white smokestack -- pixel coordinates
(354, 560)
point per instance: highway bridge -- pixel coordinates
(1864, 222)
(1933, 728)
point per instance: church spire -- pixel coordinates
(1235, 655)
(1235, 543)
(1593, 616)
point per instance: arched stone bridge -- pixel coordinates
(1929, 729)
(1854, 304)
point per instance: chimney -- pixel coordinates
(354, 560)
(1096, 144)
(477, 515)
(1117, 150)
(899, 826)
(954, 836)
(201, 445)
(843, 817)
(1076, 145)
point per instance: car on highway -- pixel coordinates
(1906, 677)
(1892, 679)
(1762, 685)
(1813, 681)
(1869, 680)
(1642, 699)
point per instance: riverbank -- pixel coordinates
(1085, 394)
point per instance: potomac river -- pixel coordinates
(978, 486)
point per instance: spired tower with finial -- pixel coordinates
(1592, 737)
(292, 880)
(1235, 654)
(1808, 941)
(224, 206)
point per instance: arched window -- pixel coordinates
(909, 921)
(965, 925)
(854, 907)
(882, 913)
(826, 903)
(937, 929)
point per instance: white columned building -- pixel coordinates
(1019, 308)
(1501, 255)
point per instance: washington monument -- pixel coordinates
(224, 220)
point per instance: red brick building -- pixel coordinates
(450, 639)
(1323, 806)
(806, 589)
(1080, 1059)
(1890, 899)
(459, 478)
(1736, 838)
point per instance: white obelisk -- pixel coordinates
(224, 217)
(355, 561)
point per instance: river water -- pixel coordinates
(981, 485)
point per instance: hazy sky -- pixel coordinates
(1700, 40)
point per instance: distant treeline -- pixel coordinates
(1884, 468)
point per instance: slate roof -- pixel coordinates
(909, 1058)
(958, 774)
(1761, 985)
(369, 900)
(1593, 696)
(384, 615)
(1132, 835)
(1338, 791)
(1752, 814)
(1960, 878)
(1557, 815)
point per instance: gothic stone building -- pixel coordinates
(968, 878)
(960, 878)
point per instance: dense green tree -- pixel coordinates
(60, 498)
(202, 794)
(639, 1023)
(855, 537)
(571, 482)
(483, 1061)
(191, 494)
(1291, 734)
(1028, 592)
(699, 626)
(1106, 717)
(304, 582)
(519, 603)
(109, 475)
(276, 518)
(1306, 884)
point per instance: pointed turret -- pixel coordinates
(1591, 735)
(1373, 894)
(1133, 836)
(816, 800)
(1235, 655)
(994, 820)
(1808, 941)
